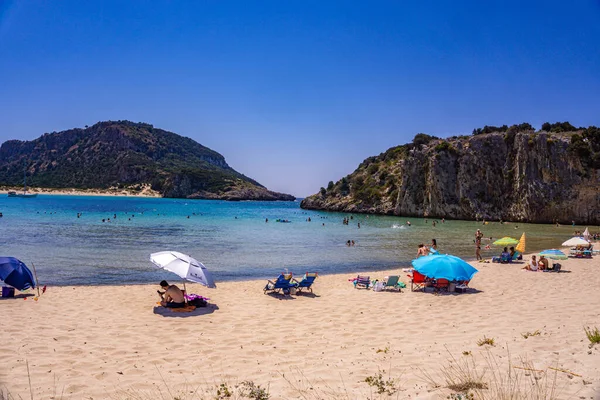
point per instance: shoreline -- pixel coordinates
(83, 192)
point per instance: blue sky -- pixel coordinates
(297, 93)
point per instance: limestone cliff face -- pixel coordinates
(524, 176)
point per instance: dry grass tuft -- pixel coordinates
(486, 341)
(529, 334)
(495, 379)
(593, 335)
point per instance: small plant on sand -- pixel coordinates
(382, 385)
(253, 391)
(593, 335)
(223, 392)
(385, 350)
(461, 396)
(486, 341)
(528, 334)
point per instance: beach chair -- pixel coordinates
(417, 281)
(307, 280)
(441, 284)
(392, 282)
(282, 283)
(364, 281)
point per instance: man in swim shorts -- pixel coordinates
(172, 297)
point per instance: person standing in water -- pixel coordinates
(433, 249)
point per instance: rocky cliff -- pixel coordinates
(126, 154)
(511, 175)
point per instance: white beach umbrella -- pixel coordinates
(586, 234)
(576, 241)
(184, 266)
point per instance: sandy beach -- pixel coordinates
(113, 342)
(146, 191)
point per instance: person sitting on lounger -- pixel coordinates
(505, 256)
(533, 265)
(172, 296)
(543, 263)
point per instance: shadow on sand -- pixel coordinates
(18, 296)
(169, 313)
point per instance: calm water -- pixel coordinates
(230, 238)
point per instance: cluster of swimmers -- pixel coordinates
(350, 243)
(434, 222)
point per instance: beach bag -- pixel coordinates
(198, 302)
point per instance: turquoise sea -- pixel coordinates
(231, 238)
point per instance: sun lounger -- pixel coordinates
(362, 281)
(393, 282)
(306, 283)
(281, 284)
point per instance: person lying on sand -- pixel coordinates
(532, 266)
(172, 296)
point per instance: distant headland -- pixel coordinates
(499, 173)
(125, 158)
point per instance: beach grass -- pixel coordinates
(593, 335)
(486, 341)
(492, 378)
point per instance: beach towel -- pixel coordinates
(187, 308)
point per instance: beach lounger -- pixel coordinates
(283, 283)
(307, 280)
(393, 282)
(417, 281)
(364, 281)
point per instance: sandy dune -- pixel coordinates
(111, 342)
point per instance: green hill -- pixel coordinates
(124, 154)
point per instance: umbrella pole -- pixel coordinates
(185, 292)
(37, 285)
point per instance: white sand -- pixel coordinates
(145, 192)
(107, 342)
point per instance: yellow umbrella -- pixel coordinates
(506, 241)
(521, 246)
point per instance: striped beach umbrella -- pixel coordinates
(521, 246)
(554, 254)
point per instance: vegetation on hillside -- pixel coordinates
(117, 154)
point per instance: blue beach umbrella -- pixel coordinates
(554, 254)
(444, 267)
(14, 273)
